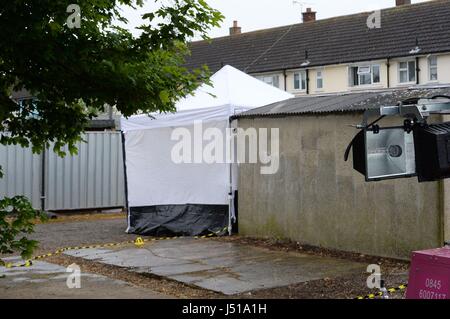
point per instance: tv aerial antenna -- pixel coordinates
(301, 4)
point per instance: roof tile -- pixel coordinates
(342, 102)
(337, 40)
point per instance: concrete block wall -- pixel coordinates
(316, 198)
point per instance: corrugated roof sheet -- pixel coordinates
(343, 102)
(337, 40)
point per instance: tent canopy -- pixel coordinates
(229, 87)
(233, 87)
(188, 198)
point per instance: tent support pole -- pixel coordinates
(230, 180)
(125, 177)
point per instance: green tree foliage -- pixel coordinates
(16, 219)
(75, 72)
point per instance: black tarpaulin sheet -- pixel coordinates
(178, 220)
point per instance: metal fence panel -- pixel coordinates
(92, 179)
(22, 173)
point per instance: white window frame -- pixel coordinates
(364, 69)
(319, 78)
(430, 67)
(263, 78)
(379, 73)
(407, 71)
(302, 76)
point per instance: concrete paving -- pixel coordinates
(46, 280)
(228, 268)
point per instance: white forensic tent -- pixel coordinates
(172, 186)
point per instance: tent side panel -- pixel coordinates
(157, 174)
(183, 220)
(173, 187)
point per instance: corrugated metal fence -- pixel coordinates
(92, 179)
(22, 173)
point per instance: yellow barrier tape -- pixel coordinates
(379, 294)
(139, 242)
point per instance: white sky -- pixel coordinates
(261, 14)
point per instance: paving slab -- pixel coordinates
(229, 268)
(46, 280)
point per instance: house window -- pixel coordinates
(300, 80)
(273, 80)
(376, 78)
(407, 71)
(432, 67)
(364, 75)
(319, 80)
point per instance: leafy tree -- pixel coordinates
(16, 218)
(74, 72)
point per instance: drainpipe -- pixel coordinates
(307, 71)
(307, 81)
(285, 79)
(43, 179)
(417, 70)
(388, 66)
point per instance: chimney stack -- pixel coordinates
(402, 2)
(235, 29)
(309, 15)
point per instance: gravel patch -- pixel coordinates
(54, 235)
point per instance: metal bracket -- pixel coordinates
(418, 112)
